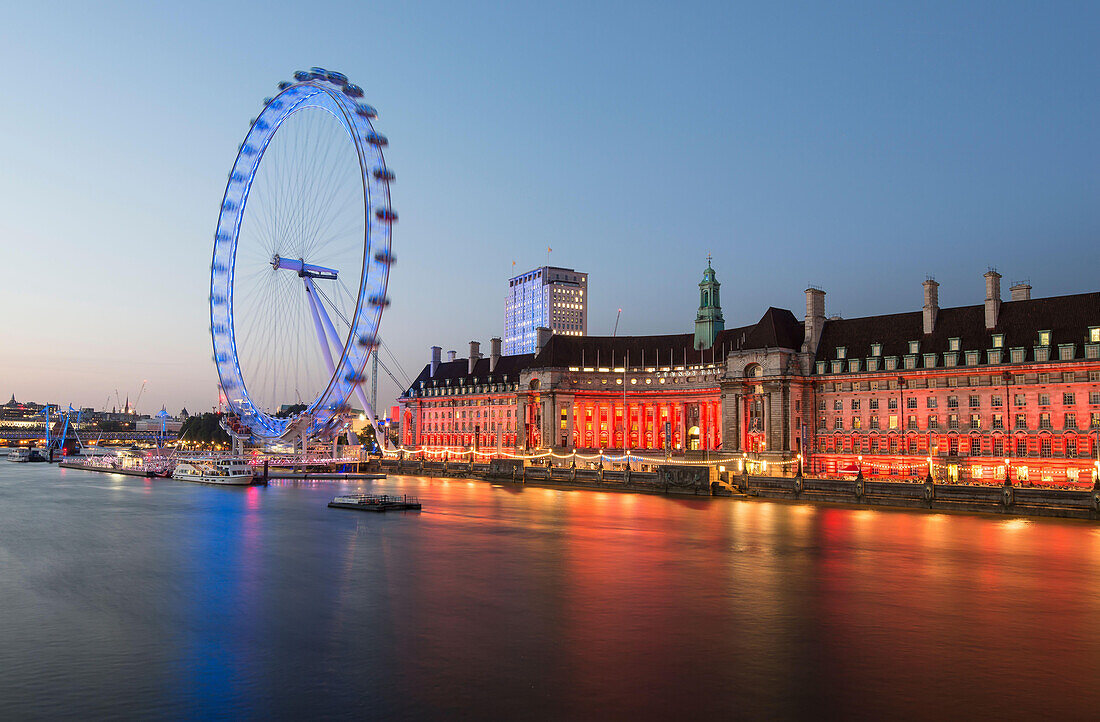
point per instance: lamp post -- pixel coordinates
(859, 475)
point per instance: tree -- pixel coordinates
(204, 429)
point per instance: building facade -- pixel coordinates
(546, 297)
(972, 393)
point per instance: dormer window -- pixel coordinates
(841, 352)
(1094, 334)
(998, 340)
(952, 344)
(1044, 338)
(914, 347)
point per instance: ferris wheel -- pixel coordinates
(301, 260)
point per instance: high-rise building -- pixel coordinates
(548, 297)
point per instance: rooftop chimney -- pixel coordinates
(992, 298)
(451, 355)
(475, 354)
(494, 354)
(542, 336)
(436, 351)
(815, 318)
(931, 304)
(1021, 291)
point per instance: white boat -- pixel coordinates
(235, 472)
(25, 455)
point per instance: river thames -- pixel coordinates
(124, 597)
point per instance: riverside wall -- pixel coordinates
(703, 481)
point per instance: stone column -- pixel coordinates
(570, 413)
(521, 424)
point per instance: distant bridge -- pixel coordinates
(89, 437)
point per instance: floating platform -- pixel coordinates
(375, 502)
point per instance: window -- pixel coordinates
(910, 362)
(1094, 420)
(821, 367)
(1021, 421)
(972, 358)
(914, 347)
(993, 356)
(1044, 399)
(1094, 375)
(998, 446)
(1044, 447)
(893, 421)
(1070, 421)
(856, 423)
(1044, 421)
(1094, 334)
(838, 366)
(1094, 397)
(841, 352)
(1092, 351)
(1016, 355)
(891, 363)
(838, 423)
(874, 422)
(911, 402)
(1042, 354)
(838, 405)
(853, 366)
(873, 404)
(933, 421)
(975, 421)
(998, 421)
(1065, 351)
(998, 340)
(952, 402)
(1044, 338)
(1044, 378)
(876, 349)
(995, 401)
(891, 404)
(912, 422)
(975, 402)
(1068, 377)
(929, 360)
(953, 382)
(952, 421)
(872, 364)
(1018, 400)
(821, 404)
(855, 404)
(952, 344)
(1068, 399)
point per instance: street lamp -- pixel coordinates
(860, 474)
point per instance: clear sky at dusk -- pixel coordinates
(859, 147)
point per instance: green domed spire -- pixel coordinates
(709, 321)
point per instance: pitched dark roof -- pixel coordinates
(1068, 318)
(507, 369)
(776, 328)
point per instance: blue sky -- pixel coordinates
(859, 147)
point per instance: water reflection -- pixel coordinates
(125, 597)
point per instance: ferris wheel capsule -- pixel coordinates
(383, 174)
(302, 76)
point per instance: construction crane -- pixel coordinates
(616, 331)
(142, 391)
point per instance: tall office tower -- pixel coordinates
(552, 297)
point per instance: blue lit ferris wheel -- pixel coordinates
(301, 260)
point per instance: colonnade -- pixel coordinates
(597, 423)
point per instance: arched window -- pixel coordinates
(706, 298)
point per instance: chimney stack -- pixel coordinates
(1021, 291)
(992, 298)
(436, 352)
(931, 304)
(451, 355)
(542, 337)
(494, 354)
(815, 319)
(475, 354)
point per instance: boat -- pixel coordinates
(227, 471)
(375, 502)
(25, 455)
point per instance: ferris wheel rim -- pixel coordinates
(359, 341)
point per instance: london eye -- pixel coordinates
(301, 260)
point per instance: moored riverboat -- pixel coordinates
(226, 471)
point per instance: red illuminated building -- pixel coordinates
(971, 391)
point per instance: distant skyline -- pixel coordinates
(855, 146)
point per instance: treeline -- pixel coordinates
(204, 429)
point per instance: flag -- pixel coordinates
(549, 249)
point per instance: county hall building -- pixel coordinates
(968, 391)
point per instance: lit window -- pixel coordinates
(998, 340)
(1094, 334)
(952, 344)
(1044, 338)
